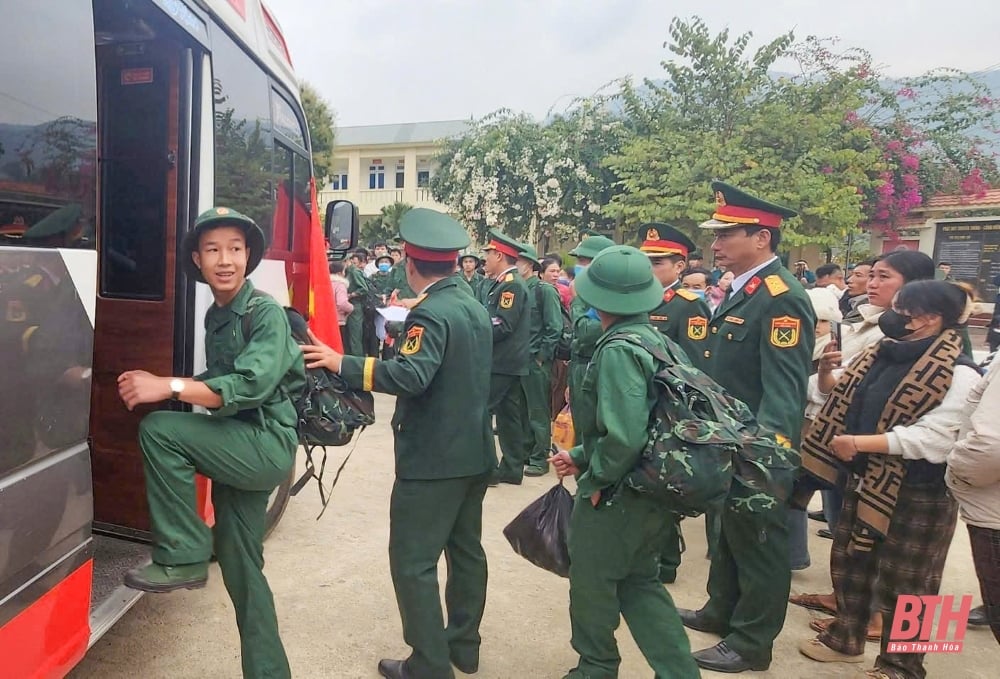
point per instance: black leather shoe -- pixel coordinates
(825, 533)
(818, 516)
(721, 658)
(978, 617)
(694, 620)
(393, 669)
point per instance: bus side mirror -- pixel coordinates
(341, 225)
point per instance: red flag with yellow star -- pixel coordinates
(322, 309)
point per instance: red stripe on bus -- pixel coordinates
(45, 640)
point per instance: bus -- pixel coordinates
(120, 122)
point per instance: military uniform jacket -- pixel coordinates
(509, 307)
(761, 348)
(474, 283)
(586, 332)
(261, 371)
(611, 406)
(441, 377)
(683, 317)
(546, 319)
(397, 281)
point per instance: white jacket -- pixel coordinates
(974, 461)
(933, 435)
(857, 337)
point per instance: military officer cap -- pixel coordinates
(590, 246)
(431, 236)
(60, 222)
(529, 253)
(660, 240)
(504, 243)
(620, 281)
(737, 208)
(214, 218)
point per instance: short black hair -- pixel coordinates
(337, 267)
(775, 235)
(511, 261)
(548, 261)
(433, 269)
(673, 257)
(556, 256)
(379, 245)
(697, 269)
(396, 248)
(827, 269)
(866, 262)
(912, 265)
(944, 298)
(944, 263)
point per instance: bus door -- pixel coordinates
(144, 95)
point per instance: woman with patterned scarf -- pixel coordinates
(884, 434)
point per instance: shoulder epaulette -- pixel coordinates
(775, 285)
(420, 299)
(686, 294)
(508, 278)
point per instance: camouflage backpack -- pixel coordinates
(328, 410)
(705, 445)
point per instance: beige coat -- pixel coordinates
(974, 462)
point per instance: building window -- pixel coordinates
(338, 182)
(423, 179)
(400, 174)
(376, 176)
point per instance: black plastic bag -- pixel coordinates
(540, 532)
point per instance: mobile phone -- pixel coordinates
(837, 334)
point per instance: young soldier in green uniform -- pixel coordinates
(246, 446)
(506, 299)
(683, 317)
(468, 263)
(761, 344)
(546, 328)
(357, 291)
(444, 452)
(380, 279)
(615, 533)
(586, 324)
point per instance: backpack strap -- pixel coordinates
(246, 321)
(642, 342)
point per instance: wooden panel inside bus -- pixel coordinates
(138, 118)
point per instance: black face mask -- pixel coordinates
(894, 324)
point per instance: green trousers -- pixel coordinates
(670, 557)
(614, 552)
(245, 462)
(509, 405)
(354, 336)
(537, 385)
(749, 581)
(427, 518)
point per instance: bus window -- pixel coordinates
(244, 179)
(48, 129)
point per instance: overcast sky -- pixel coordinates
(381, 61)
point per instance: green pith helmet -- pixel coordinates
(734, 207)
(529, 253)
(590, 246)
(620, 281)
(214, 218)
(432, 236)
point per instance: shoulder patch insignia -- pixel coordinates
(775, 285)
(507, 300)
(697, 328)
(684, 293)
(669, 295)
(508, 278)
(411, 344)
(752, 285)
(785, 332)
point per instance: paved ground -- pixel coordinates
(338, 614)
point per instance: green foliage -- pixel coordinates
(384, 228)
(320, 119)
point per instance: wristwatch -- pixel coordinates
(176, 387)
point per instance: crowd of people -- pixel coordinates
(869, 375)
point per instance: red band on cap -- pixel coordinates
(745, 215)
(416, 252)
(664, 247)
(504, 248)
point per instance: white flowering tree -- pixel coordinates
(532, 181)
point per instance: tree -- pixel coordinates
(320, 119)
(719, 114)
(384, 228)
